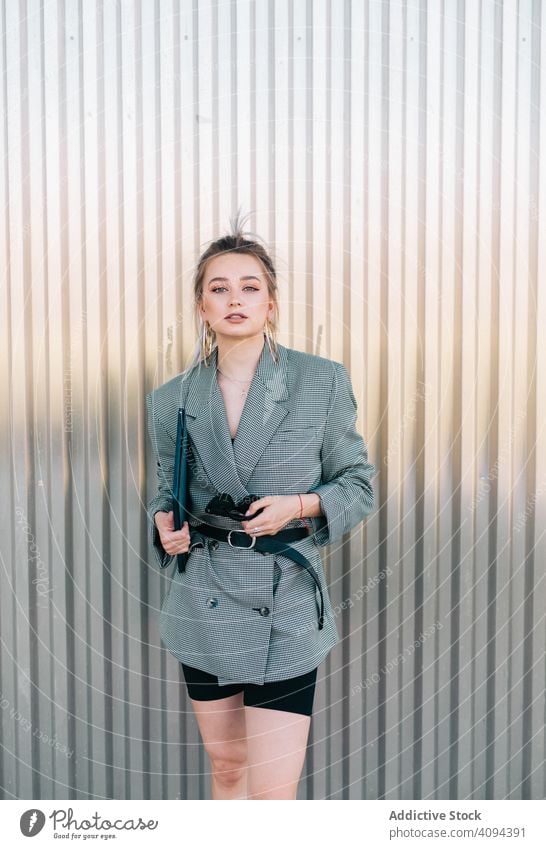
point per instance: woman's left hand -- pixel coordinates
(278, 510)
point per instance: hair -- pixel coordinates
(233, 242)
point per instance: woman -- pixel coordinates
(270, 429)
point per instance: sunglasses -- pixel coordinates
(224, 505)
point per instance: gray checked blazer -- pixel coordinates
(240, 614)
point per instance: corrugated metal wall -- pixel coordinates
(391, 152)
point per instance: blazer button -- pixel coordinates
(264, 611)
(212, 602)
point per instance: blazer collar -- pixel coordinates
(230, 466)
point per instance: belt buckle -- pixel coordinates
(244, 547)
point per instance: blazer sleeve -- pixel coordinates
(163, 449)
(346, 493)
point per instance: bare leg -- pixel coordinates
(222, 727)
(276, 746)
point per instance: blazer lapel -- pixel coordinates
(230, 466)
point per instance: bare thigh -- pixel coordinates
(270, 744)
(222, 726)
(277, 743)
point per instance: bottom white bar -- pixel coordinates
(273, 823)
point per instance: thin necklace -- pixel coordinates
(246, 383)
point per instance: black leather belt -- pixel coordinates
(268, 544)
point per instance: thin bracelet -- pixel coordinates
(301, 514)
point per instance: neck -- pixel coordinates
(238, 358)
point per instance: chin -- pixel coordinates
(239, 332)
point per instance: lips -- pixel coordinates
(236, 315)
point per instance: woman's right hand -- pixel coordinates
(173, 542)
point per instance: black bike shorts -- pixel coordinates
(293, 694)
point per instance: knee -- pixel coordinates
(229, 764)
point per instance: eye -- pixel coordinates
(219, 288)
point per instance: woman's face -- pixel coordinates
(235, 283)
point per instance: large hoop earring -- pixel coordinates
(205, 342)
(271, 340)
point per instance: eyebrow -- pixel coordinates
(226, 280)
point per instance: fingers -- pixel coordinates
(164, 522)
(259, 505)
(261, 522)
(257, 528)
(176, 542)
